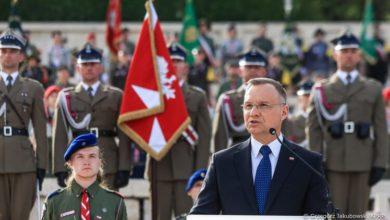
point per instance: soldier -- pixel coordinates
(295, 125)
(183, 158)
(92, 107)
(85, 197)
(228, 125)
(347, 125)
(21, 102)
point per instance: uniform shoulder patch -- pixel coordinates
(55, 193)
(197, 89)
(112, 88)
(114, 192)
(68, 88)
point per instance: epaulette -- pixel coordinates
(68, 88)
(197, 89)
(55, 193)
(114, 192)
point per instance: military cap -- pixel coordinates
(177, 52)
(199, 175)
(254, 57)
(10, 39)
(305, 88)
(347, 40)
(89, 54)
(80, 142)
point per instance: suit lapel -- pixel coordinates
(283, 168)
(184, 89)
(101, 93)
(3, 87)
(337, 85)
(82, 94)
(355, 86)
(243, 164)
(16, 87)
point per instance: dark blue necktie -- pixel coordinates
(263, 179)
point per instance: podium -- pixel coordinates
(252, 217)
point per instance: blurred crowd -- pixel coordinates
(215, 68)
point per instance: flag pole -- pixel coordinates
(154, 188)
(153, 181)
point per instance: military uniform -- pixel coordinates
(173, 171)
(65, 203)
(20, 164)
(347, 124)
(228, 125)
(74, 107)
(76, 202)
(294, 126)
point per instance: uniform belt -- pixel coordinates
(96, 131)
(8, 131)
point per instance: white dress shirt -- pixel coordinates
(256, 156)
(5, 75)
(94, 87)
(343, 76)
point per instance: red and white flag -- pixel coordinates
(153, 112)
(113, 26)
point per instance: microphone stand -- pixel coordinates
(332, 211)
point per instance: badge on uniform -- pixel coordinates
(72, 212)
(291, 158)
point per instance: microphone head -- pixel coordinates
(272, 131)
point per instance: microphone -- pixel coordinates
(331, 209)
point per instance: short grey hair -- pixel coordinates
(262, 81)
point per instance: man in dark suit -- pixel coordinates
(259, 175)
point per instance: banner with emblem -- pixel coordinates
(113, 26)
(190, 33)
(153, 112)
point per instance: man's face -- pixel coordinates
(63, 75)
(57, 39)
(181, 69)
(233, 71)
(347, 59)
(195, 190)
(90, 72)
(263, 109)
(85, 163)
(10, 58)
(249, 72)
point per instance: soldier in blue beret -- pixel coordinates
(228, 125)
(347, 124)
(91, 107)
(21, 101)
(85, 196)
(295, 125)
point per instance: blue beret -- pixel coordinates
(89, 54)
(10, 39)
(347, 40)
(199, 175)
(305, 88)
(177, 52)
(254, 57)
(80, 142)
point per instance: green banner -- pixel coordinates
(14, 21)
(190, 33)
(367, 41)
